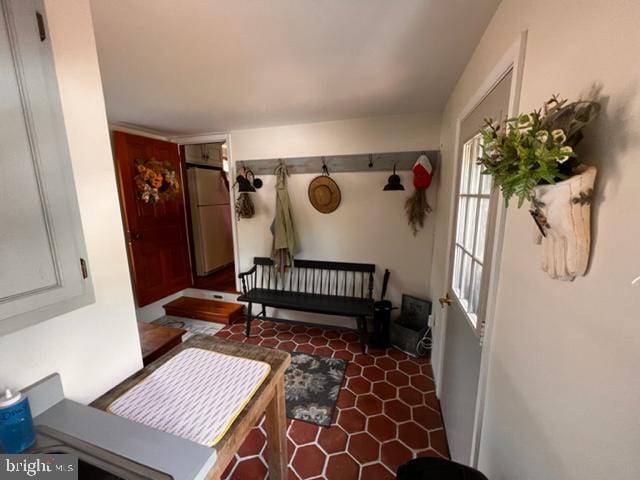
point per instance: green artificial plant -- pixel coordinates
(534, 149)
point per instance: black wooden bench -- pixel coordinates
(333, 288)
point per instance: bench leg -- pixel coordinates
(264, 312)
(362, 328)
(249, 308)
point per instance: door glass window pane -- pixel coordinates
(475, 288)
(456, 269)
(464, 177)
(466, 277)
(474, 177)
(487, 184)
(470, 228)
(481, 233)
(472, 220)
(486, 181)
(462, 213)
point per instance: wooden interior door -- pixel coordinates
(156, 233)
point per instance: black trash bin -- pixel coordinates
(382, 318)
(430, 468)
(381, 321)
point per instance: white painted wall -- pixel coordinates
(135, 130)
(154, 310)
(369, 225)
(97, 346)
(393, 133)
(563, 389)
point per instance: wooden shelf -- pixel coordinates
(340, 163)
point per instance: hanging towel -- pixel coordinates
(283, 229)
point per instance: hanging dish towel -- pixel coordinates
(283, 229)
(195, 395)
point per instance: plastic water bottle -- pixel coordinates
(16, 425)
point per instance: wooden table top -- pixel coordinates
(227, 446)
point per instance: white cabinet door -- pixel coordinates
(204, 154)
(43, 267)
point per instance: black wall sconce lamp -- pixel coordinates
(245, 185)
(255, 182)
(394, 183)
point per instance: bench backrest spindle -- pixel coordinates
(353, 294)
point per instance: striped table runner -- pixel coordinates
(195, 395)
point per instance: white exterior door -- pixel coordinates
(471, 252)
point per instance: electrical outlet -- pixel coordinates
(432, 320)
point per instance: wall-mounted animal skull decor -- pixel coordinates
(562, 213)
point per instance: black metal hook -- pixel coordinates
(325, 170)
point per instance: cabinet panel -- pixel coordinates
(205, 154)
(43, 262)
(27, 259)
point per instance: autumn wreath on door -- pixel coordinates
(156, 180)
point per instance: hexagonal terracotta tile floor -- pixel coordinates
(386, 413)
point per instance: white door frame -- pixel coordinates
(221, 137)
(512, 60)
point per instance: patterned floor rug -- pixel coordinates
(312, 382)
(311, 385)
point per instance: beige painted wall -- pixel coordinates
(369, 225)
(97, 346)
(563, 391)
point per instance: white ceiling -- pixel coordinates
(194, 66)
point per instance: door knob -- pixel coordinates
(446, 300)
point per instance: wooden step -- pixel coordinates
(156, 340)
(207, 310)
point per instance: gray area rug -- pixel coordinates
(312, 383)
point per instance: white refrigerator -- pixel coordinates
(210, 219)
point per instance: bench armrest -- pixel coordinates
(248, 272)
(242, 276)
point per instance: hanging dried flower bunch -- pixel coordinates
(244, 206)
(417, 209)
(416, 205)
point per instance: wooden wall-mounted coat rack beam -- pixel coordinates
(341, 163)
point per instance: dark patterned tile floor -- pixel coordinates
(387, 411)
